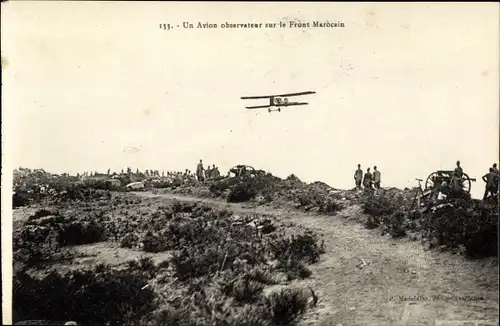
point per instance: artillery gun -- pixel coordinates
(244, 171)
(435, 179)
(434, 184)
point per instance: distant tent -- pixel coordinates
(135, 186)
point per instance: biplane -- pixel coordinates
(276, 101)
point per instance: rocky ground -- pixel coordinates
(261, 252)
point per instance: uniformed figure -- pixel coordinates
(457, 178)
(199, 171)
(358, 177)
(208, 172)
(458, 170)
(491, 179)
(367, 180)
(376, 178)
(215, 171)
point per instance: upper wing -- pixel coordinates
(281, 95)
(296, 94)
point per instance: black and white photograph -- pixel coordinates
(250, 164)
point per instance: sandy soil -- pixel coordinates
(363, 278)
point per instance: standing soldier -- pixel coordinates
(109, 171)
(456, 179)
(199, 171)
(376, 177)
(358, 177)
(208, 172)
(367, 180)
(215, 172)
(491, 179)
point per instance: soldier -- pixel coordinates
(208, 172)
(215, 172)
(456, 179)
(367, 180)
(376, 177)
(458, 170)
(495, 168)
(109, 171)
(491, 179)
(199, 171)
(358, 177)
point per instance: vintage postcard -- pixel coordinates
(233, 163)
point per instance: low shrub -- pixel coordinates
(242, 192)
(303, 247)
(378, 206)
(329, 207)
(20, 199)
(372, 222)
(97, 296)
(468, 223)
(286, 306)
(395, 224)
(245, 290)
(79, 233)
(294, 269)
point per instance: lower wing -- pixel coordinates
(258, 107)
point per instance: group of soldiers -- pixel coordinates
(369, 180)
(203, 174)
(148, 173)
(490, 178)
(372, 180)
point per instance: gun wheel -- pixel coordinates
(430, 182)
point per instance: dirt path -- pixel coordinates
(367, 279)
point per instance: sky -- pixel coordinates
(411, 88)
